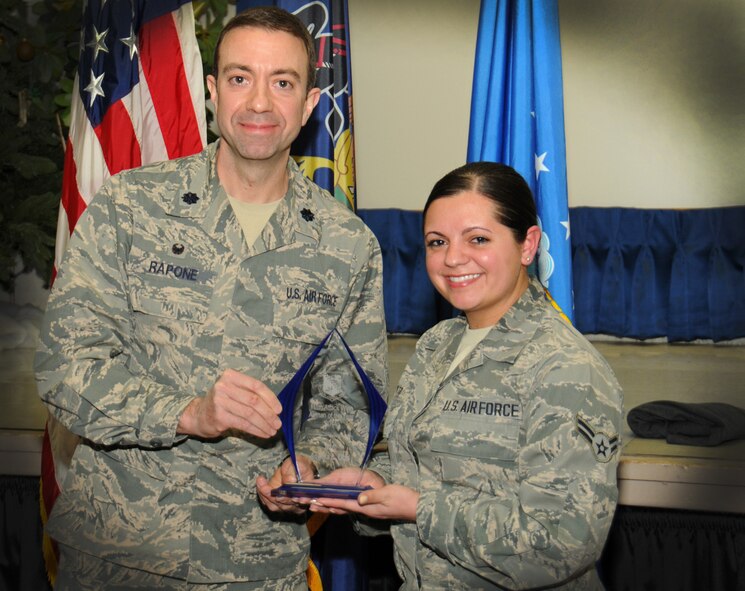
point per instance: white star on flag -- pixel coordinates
(131, 42)
(539, 165)
(98, 44)
(517, 117)
(95, 86)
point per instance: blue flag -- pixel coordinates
(324, 150)
(517, 118)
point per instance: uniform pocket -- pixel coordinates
(148, 464)
(167, 321)
(481, 437)
(121, 487)
(476, 452)
(307, 314)
(183, 304)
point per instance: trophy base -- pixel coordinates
(316, 491)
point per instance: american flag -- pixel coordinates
(138, 98)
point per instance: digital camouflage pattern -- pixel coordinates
(159, 294)
(83, 572)
(512, 494)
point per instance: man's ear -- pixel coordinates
(311, 100)
(212, 87)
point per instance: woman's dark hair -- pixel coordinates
(514, 206)
(270, 18)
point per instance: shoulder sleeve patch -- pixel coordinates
(603, 446)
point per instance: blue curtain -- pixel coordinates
(638, 273)
(517, 118)
(647, 273)
(412, 304)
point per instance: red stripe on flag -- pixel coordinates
(72, 201)
(119, 143)
(48, 491)
(163, 65)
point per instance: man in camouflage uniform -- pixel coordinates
(175, 320)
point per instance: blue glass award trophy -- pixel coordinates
(287, 396)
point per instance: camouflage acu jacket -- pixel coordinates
(514, 455)
(159, 294)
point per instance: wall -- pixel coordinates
(654, 95)
(654, 102)
(412, 70)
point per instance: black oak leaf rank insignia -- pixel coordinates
(190, 198)
(307, 214)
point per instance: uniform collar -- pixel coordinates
(297, 214)
(201, 187)
(203, 197)
(506, 340)
(517, 327)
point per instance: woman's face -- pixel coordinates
(473, 260)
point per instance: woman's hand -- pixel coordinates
(392, 501)
(349, 477)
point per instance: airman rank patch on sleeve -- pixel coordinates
(603, 446)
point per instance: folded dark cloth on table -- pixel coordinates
(704, 423)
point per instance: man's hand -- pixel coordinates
(283, 475)
(236, 401)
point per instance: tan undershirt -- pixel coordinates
(471, 337)
(252, 217)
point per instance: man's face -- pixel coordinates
(260, 94)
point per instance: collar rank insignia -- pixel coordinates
(603, 447)
(307, 214)
(189, 198)
(178, 248)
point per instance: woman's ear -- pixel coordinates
(530, 244)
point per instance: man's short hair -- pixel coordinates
(271, 18)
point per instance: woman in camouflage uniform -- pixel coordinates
(502, 437)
